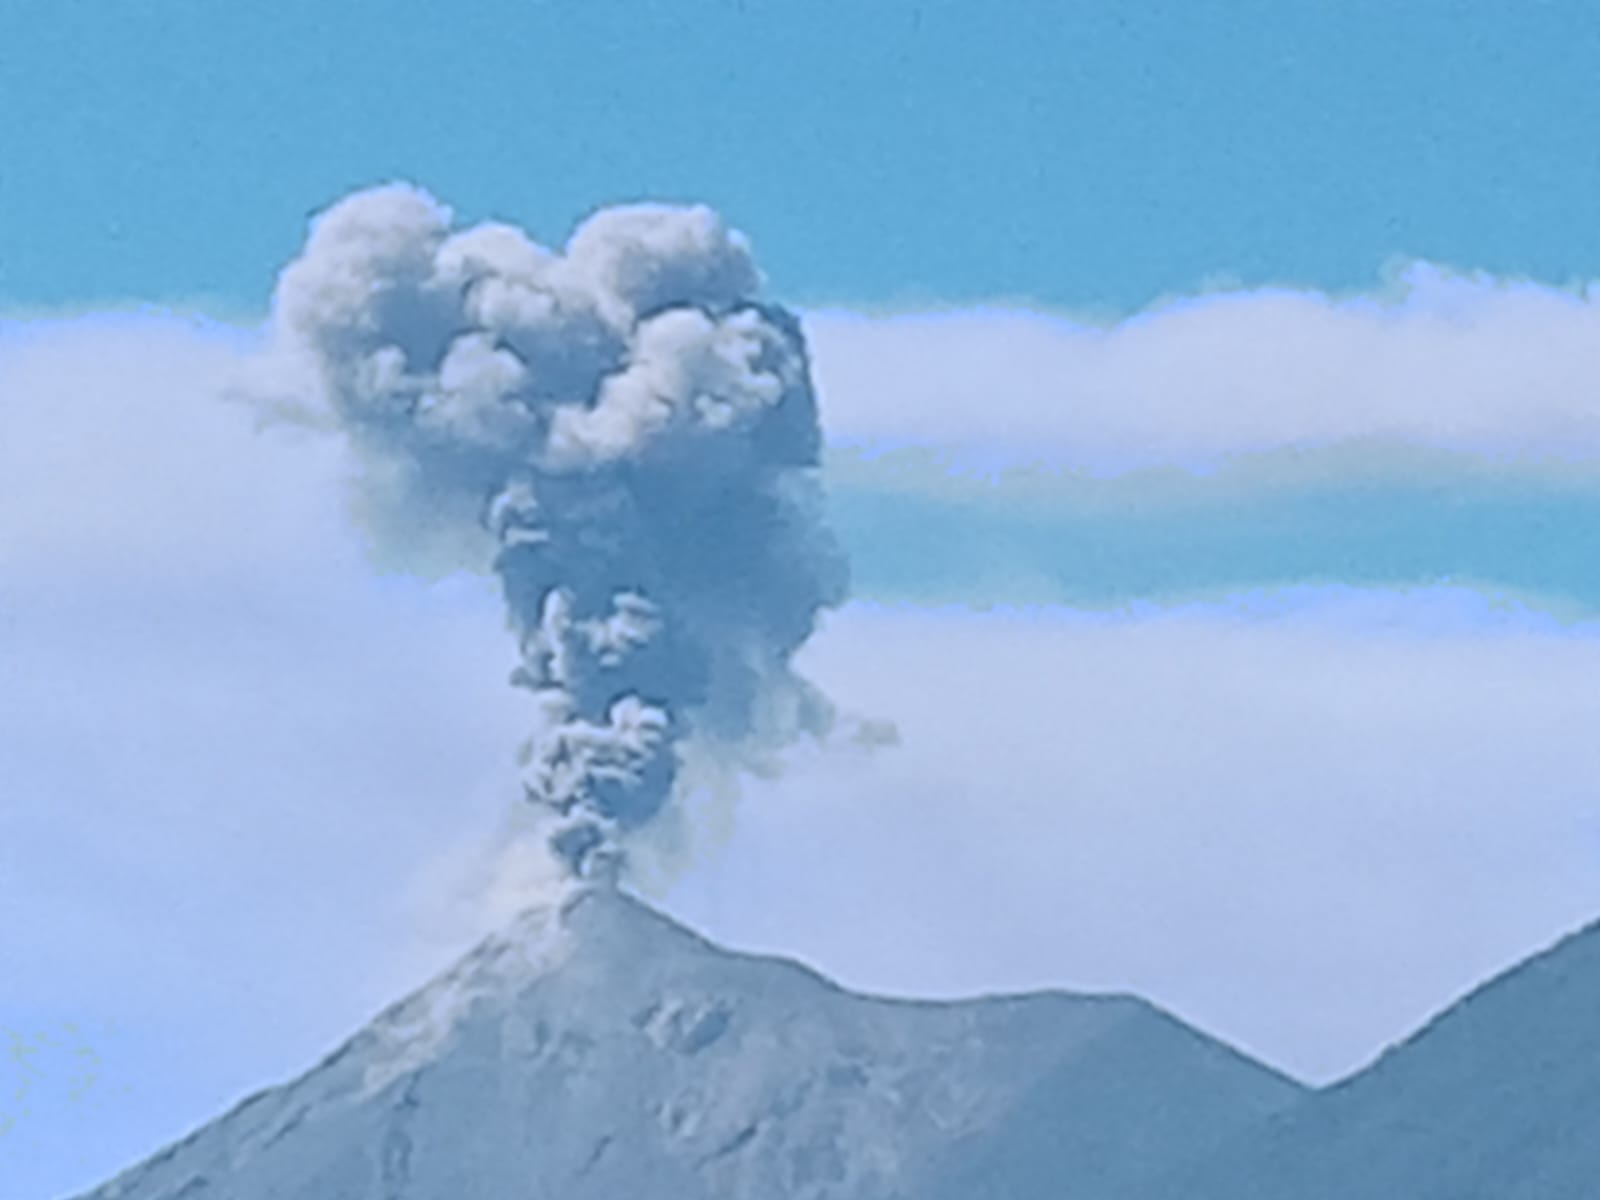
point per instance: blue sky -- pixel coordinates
(1115, 545)
(1283, 589)
(1079, 154)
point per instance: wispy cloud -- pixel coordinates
(1457, 362)
(1444, 428)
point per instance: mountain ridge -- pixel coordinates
(1485, 1101)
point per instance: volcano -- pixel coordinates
(604, 1052)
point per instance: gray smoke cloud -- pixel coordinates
(633, 430)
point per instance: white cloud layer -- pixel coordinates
(227, 746)
(1436, 359)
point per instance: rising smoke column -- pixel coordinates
(637, 433)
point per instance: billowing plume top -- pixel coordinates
(637, 433)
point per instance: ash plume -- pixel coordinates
(632, 434)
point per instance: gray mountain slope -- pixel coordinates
(1496, 1099)
(618, 1056)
